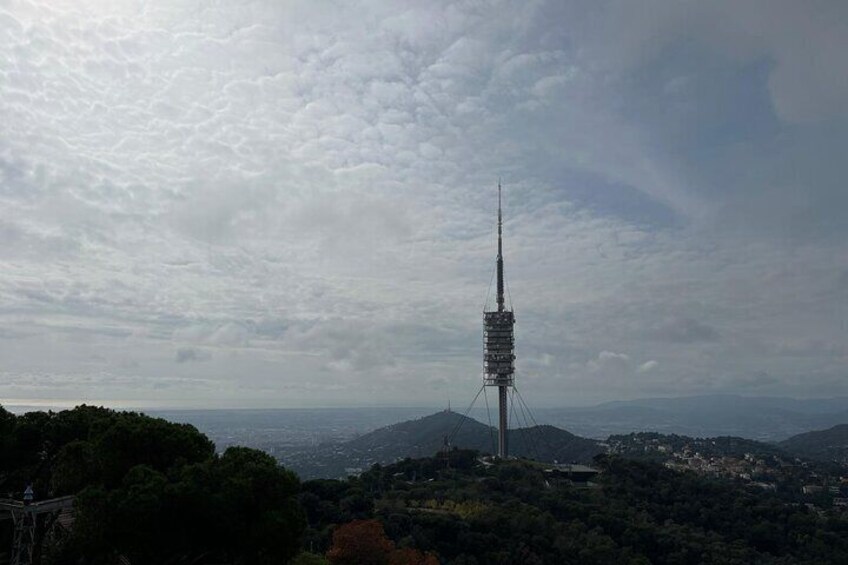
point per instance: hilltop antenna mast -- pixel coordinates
(498, 346)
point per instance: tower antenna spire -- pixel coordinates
(500, 253)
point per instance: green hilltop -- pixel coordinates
(823, 445)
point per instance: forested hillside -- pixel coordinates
(516, 512)
(823, 445)
(148, 490)
(424, 436)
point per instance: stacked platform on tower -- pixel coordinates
(498, 353)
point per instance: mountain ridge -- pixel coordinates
(823, 445)
(759, 418)
(545, 442)
(426, 436)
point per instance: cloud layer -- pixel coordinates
(277, 204)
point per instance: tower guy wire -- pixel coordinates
(464, 416)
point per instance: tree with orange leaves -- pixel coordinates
(361, 542)
(364, 542)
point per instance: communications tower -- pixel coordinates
(499, 346)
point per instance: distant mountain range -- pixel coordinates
(327, 442)
(426, 436)
(760, 418)
(423, 437)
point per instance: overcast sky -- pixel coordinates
(274, 204)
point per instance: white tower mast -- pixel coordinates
(499, 343)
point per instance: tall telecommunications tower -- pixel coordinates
(498, 346)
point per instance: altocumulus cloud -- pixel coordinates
(303, 192)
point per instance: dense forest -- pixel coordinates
(149, 492)
(516, 512)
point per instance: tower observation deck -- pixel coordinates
(499, 345)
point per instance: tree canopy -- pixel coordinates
(517, 512)
(156, 492)
(151, 490)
